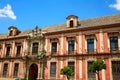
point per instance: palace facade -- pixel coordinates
(41, 53)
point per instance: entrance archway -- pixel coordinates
(33, 72)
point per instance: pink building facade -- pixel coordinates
(76, 43)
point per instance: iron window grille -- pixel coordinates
(16, 67)
(35, 48)
(5, 70)
(53, 69)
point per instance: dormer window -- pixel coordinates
(72, 21)
(71, 24)
(11, 33)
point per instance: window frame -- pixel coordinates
(16, 68)
(18, 50)
(56, 48)
(8, 50)
(71, 46)
(5, 70)
(90, 41)
(35, 48)
(113, 43)
(53, 70)
(91, 73)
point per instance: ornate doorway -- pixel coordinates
(33, 72)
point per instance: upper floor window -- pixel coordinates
(90, 45)
(71, 46)
(18, 50)
(91, 75)
(8, 51)
(71, 23)
(113, 43)
(53, 69)
(54, 47)
(35, 48)
(16, 67)
(5, 70)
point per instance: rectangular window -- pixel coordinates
(72, 65)
(35, 48)
(11, 33)
(71, 23)
(5, 70)
(54, 47)
(16, 67)
(8, 51)
(91, 75)
(53, 69)
(113, 43)
(18, 50)
(71, 46)
(90, 45)
(116, 70)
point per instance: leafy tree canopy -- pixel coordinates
(97, 66)
(67, 71)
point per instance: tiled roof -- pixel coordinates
(99, 21)
(22, 33)
(104, 20)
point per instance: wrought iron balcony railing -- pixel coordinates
(54, 52)
(114, 50)
(71, 52)
(93, 51)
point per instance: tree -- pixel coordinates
(96, 67)
(67, 71)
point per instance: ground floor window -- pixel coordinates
(5, 70)
(72, 66)
(91, 75)
(53, 69)
(116, 70)
(16, 67)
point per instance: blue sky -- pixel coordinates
(26, 14)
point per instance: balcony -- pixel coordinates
(53, 53)
(114, 50)
(92, 51)
(71, 52)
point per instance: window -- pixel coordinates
(116, 70)
(71, 45)
(18, 50)
(71, 23)
(5, 70)
(35, 48)
(54, 47)
(8, 51)
(16, 67)
(71, 65)
(90, 45)
(53, 69)
(11, 33)
(91, 75)
(113, 43)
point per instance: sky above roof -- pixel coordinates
(27, 14)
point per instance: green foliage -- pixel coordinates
(67, 71)
(97, 66)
